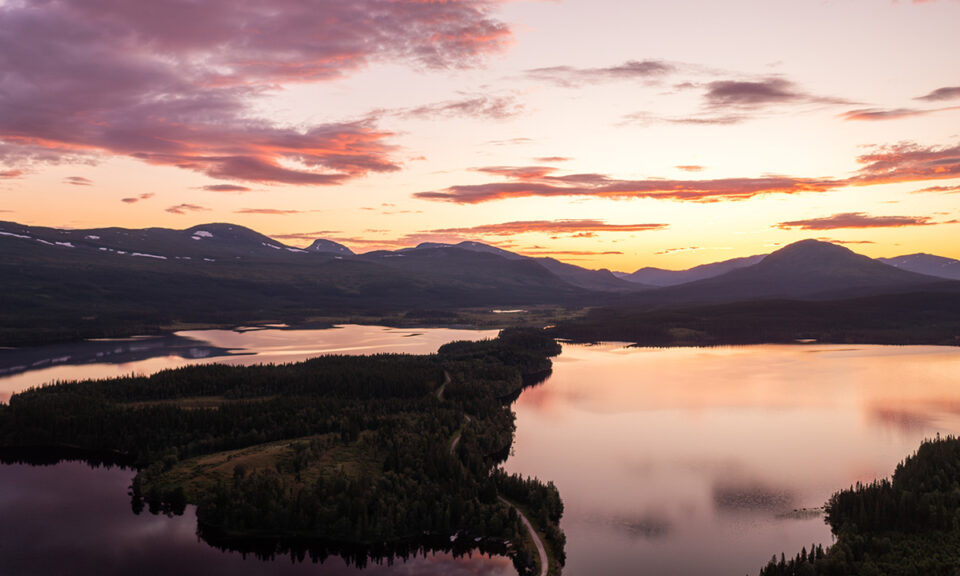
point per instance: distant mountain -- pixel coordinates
(469, 246)
(69, 284)
(808, 269)
(926, 264)
(660, 277)
(489, 272)
(595, 280)
(205, 243)
(323, 246)
(599, 280)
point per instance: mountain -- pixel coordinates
(206, 243)
(660, 277)
(808, 269)
(323, 246)
(599, 280)
(468, 246)
(488, 272)
(71, 284)
(595, 280)
(926, 264)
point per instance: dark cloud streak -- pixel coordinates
(855, 220)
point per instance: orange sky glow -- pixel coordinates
(603, 133)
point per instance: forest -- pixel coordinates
(906, 526)
(334, 451)
(910, 318)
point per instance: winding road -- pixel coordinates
(544, 566)
(456, 439)
(533, 534)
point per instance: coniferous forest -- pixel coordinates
(331, 453)
(906, 526)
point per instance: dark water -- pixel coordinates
(72, 519)
(669, 461)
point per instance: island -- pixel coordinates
(360, 456)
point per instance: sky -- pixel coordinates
(600, 132)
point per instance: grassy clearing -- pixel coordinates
(353, 460)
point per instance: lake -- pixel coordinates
(669, 461)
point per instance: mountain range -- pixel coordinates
(64, 284)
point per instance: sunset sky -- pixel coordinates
(601, 132)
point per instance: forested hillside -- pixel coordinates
(349, 450)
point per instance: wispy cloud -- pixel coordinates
(734, 101)
(754, 94)
(945, 93)
(225, 188)
(672, 250)
(135, 199)
(185, 208)
(690, 168)
(835, 241)
(307, 236)
(574, 227)
(267, 211)
(905, 162)
(78, 181)
(570, 76)
(604, 186)
(940, 189)
(511, 141)
(10, 174)
(549, 252)
(875, 114)
(856, 220)
(482, 107)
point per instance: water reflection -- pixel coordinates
(23, 368)
(669, 461)
(65, 517)
(71, 519)
(703, 461)
(106, 351)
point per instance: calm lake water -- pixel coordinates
(669, 461)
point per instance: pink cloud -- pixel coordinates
(575, 227)
(569, 76)
(856, 220)
(884, 165)
(181, 209)
(907, 162)
(602, 186)
(171, 82)
(941, 189)
(267, 211)
(945, 93)
(78, 181)
(483, 107)
(548, 252)
(225, 188)
(873, 114)
(135, 199)
(759, 93)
